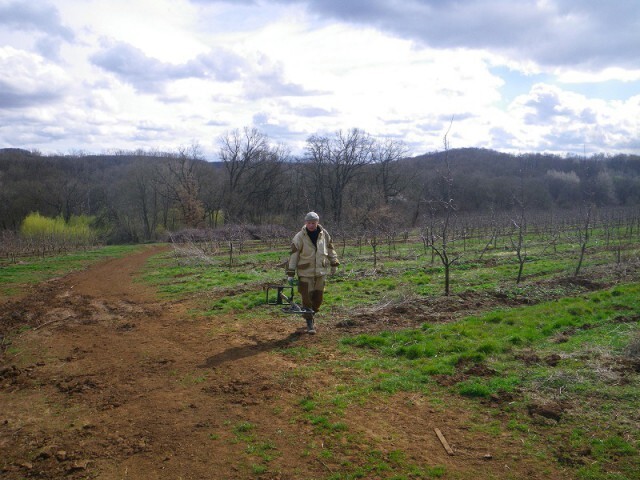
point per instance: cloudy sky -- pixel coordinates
(558, 76)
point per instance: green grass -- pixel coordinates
(408, 271)
(259, 452)
(591, 333)
(220, 288)
(243, 427)
(500, 332)
(477, 387)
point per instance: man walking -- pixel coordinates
(312, 256)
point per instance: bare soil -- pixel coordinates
(112, 382)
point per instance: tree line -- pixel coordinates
(354, 180)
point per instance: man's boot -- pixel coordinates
(311, 329)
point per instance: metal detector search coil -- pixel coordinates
(277, 295)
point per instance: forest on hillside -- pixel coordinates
(351, 178)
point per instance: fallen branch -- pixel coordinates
(325, 465)
(46, 323)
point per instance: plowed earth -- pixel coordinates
(111, 382)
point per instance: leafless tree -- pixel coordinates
(583, 234)
(179, 184)
(212, 195)
(141, 190)
(234, 236)
(241, 152)
(193, 247)
(519, 225)
(583, 228)
(337, 161)
(66, 192)
(378, 223)
(341, 234)
(386, 155)
(254, 173)
(442, 236)
(494, 230)
(265, 192)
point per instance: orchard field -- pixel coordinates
(164, 361)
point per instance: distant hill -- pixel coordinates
(493, 163)
(139, 195)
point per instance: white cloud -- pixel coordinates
(28, 80)
(39, 17)
(549, 116)
(533, 75)
(150, 75)
(161, 29)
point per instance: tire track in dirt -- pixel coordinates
(113, 383)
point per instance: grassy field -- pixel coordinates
(553, 362)
(557, 368)
(402, 271)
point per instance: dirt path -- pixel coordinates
(116, 384)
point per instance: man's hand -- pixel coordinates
(290, 280)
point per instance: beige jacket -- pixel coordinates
(311, 260)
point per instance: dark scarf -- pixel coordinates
(314, 235)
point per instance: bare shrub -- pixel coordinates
(270, 235)
(10, 245)
(194, 246)
(199, 244)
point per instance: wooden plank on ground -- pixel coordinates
(444, 442)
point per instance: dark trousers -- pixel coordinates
(312, 291)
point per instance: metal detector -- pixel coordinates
(277, 295)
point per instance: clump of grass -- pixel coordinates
(244, 427)
(322, 423)
(476, 387)
(244, 431)
(612, 447)
(307, 404)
